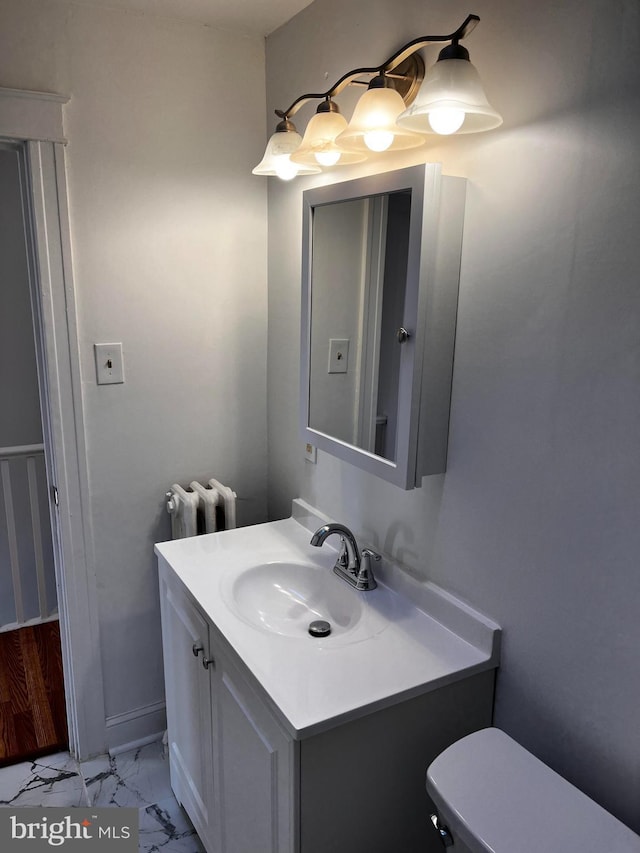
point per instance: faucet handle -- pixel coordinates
(373, 555)
(343, 556)
(365, 579)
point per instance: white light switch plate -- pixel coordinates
(338, 355)
(109, 366)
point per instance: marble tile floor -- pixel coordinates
(136, 779)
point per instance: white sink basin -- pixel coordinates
(284, 598)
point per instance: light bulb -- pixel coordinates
(378, 140)
(446, 120)
(327, 158)
(284, 168)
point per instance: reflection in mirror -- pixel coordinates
(380, 272)
(359, 272)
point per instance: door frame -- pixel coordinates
(34, 121)
(375, 243)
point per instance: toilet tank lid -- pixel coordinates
(499, 798)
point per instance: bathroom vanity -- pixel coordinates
(288, 743)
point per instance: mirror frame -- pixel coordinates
(424, 182)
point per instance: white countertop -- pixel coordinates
(313, 683)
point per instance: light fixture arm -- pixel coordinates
(392, 63)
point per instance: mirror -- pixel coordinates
(370, 257)
(359, 265)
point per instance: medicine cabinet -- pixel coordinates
(380, 273)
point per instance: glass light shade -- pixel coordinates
(450, 88)
(373, 124)
(318, 145)
(277, 157)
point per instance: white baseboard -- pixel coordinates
(136, 728)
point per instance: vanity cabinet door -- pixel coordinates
(185, 642)
(256, 768)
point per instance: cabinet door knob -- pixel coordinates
(207, 661)
(196, 648)
(402, 335)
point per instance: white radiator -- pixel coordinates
(201, 508)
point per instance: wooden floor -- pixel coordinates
(32, 708)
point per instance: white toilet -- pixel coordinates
(493, 796)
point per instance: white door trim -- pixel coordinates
(35, 119)
(31, 115)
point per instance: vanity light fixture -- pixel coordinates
(277, 156)
(373, 126)
(451, 98)
(319, 145)
(392, 114)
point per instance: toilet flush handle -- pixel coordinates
(443, 832)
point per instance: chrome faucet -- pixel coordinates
(352, 566)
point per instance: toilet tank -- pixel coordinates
(495, 797)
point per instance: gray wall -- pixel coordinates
(168, 231)
(536, 520)
(339, 280)
(20, 410)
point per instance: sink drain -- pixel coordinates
(320, 628)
